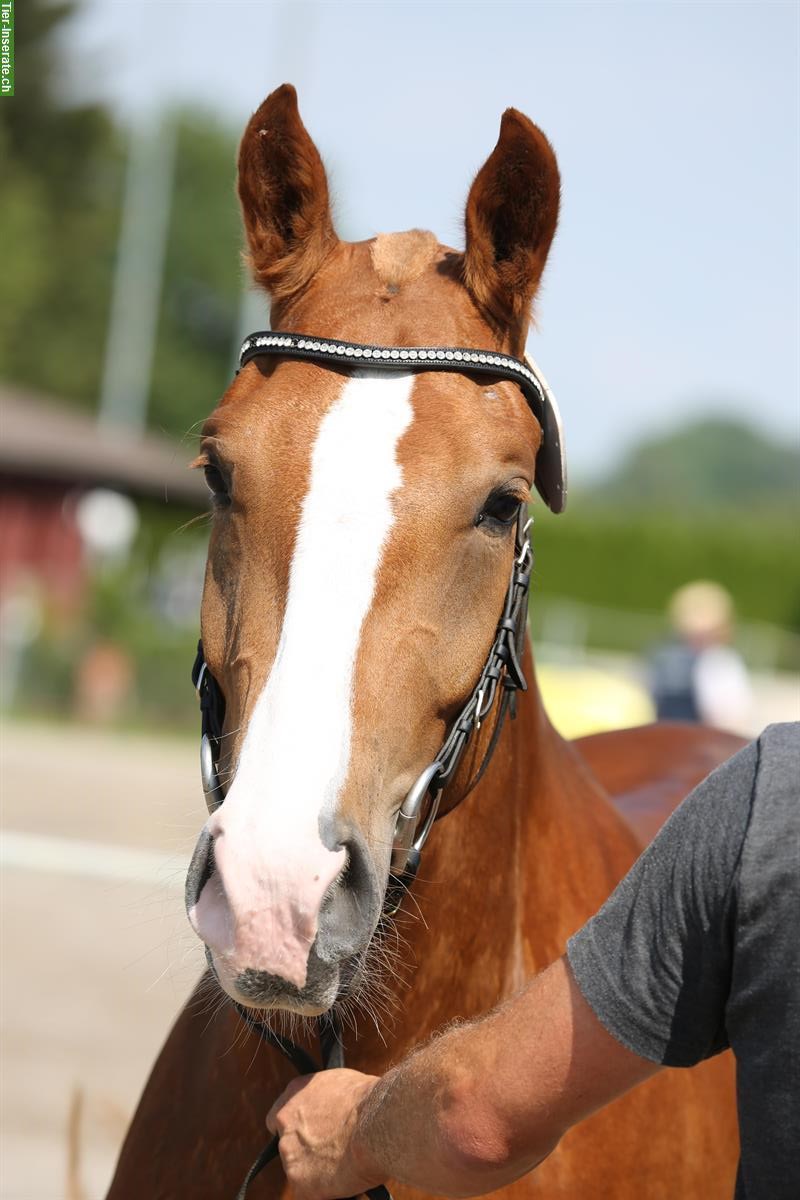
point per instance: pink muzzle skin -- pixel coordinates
(260, 907)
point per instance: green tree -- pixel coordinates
(709, 464)
(59, 214)
(203, 279)
(60, 210)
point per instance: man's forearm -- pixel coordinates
(470, 1112)
(436, 1121)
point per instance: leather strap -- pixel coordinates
(502, 672)
(551, 469)
(332, 1055)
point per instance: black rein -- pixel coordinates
(332, 1055)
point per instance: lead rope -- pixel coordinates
(332, 1055)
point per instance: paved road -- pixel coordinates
(97, 954)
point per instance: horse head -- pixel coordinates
(362, 539)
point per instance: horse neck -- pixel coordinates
(505, 878)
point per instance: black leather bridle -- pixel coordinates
(551, 469)
(502, 671)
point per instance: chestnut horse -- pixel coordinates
(363, 535)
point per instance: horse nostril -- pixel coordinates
(201, 868)
(358, 872)
(345, 876)
(340, 882)
(351, 902)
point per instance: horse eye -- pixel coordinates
(217, 484)
(501, 508)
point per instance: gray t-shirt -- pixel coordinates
(698, 949)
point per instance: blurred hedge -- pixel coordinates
(631, 563)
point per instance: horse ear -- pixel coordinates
(511, 216)
(283, 191)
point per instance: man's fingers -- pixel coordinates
(274, 1122)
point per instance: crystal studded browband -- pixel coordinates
(402, 356)
(550, 464)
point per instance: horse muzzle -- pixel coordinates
(285, 933)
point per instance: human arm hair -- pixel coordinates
(484, 1103)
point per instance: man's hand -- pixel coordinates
(316, 1118)
(466, 1114)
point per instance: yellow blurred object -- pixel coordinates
(702, 610)
(583, 700)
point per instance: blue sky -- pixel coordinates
(672, 288)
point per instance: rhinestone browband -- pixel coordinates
(551, 481)
(423, 354)
(442, 357)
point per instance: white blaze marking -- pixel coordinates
(346, 517)
(296, 752)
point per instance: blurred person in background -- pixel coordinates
(698, 675)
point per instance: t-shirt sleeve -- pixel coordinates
(655, 962)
